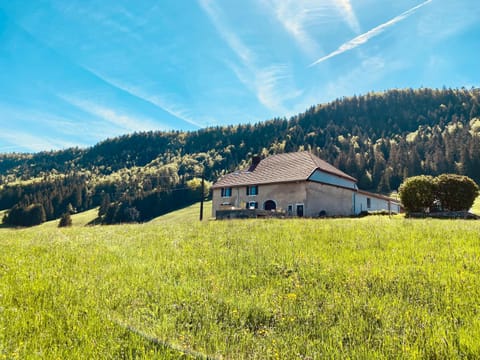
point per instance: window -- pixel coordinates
(227, 192)
(290, 210)
(252, 205)
(369, 203)
(252, 190)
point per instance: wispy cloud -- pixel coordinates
(365, 37)
(31, 142)
(27, 118)
(164, 102)
(272, 84)
(301, 18)
(460, 18)
(346, 8)
(297, 17)
(120, 20)
(101, 14)
(361, 78)
(160, 101)
(269, 86)
(233, 41)
(121, 120)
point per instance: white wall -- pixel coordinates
(326, 178)
(376, 204)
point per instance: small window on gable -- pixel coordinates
(369, 203)
(227, 192)
(252, 190)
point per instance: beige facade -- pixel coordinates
(302, 198)
(294, 184)
(330, 199)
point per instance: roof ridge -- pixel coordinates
(282, 167)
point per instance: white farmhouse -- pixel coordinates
(298, 184)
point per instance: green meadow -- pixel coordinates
(370, 288)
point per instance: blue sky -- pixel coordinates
(74, 72)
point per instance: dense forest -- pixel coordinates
(379, 138)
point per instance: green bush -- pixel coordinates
(25, 215)
(448, 192)
(65, 220)
(455, 192)
(417, 193)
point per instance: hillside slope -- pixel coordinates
(379, 138)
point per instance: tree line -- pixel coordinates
(150, 205)
(32, 203)
(379, 138)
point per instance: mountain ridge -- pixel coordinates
(378, 138)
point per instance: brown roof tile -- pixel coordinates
(288, 167)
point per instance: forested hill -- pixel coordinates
(379, 138)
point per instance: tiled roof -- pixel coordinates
(288, 167)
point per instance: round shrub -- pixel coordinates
(417, 193)
(455, 192)
(65, 220)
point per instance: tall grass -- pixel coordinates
(356, 288)
(188, 214)
(476, 206)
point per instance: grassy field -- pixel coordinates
(188, 214)
(476, 206)
(268, 289)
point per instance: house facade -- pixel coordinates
(296, 184)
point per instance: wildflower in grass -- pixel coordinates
(262, 332)
(235, 314)
(291, 296)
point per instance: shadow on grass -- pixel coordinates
(165, 348)
(96, 221)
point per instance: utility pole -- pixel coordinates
(202, 196)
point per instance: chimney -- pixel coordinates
(255, 161)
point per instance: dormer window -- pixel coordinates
(226, 192)
(252, 190)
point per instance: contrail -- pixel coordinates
(363, 38)
(349, 14)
